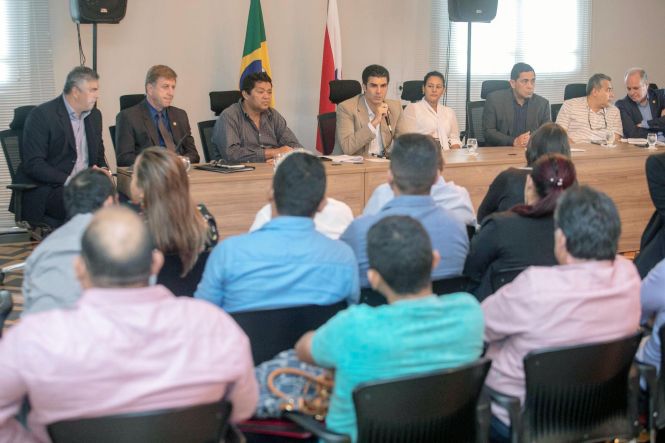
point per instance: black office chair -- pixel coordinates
(554, 110)
(6, 306)
(441, 406)
(327, 128)
(474, 111)
(274, 330)
(653, 86)
(502, 277)
(655, 384)
(195, 424)
(576, 393)
(129, 100)
(112, 132)
(574, 90)
(205, 131)
(442, 286)
(341, 90)
(489, 86)
(220, 100)
(412, 90)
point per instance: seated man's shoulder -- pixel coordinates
(540, 99)
(623, 103)
(499, 96)
(349, 103)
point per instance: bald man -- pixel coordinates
(126, 346)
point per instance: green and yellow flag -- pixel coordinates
(255, 54)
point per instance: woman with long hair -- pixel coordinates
(183, 232)
(524, 235)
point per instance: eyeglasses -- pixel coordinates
(589, 118)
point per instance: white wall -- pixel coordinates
(202, 40)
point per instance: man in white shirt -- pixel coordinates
(591, 117)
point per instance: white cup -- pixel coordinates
(652, 138)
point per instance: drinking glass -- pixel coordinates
(187, 162)
(609, 139)
(652, 137)
(276, 160)
(472, 146)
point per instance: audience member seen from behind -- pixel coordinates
(286, 262)
(507, 189)
(126, 346)
(446, 194)
(524, 235)
(653, 311)
(49, 281)
(591, 117)
(183, 232)
(416, 332)
(413, 171)
(430, 117)
(591, 296)
(652, 242)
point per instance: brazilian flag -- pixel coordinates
(255, 54)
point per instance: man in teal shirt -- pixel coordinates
(416, 332)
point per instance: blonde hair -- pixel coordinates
(173, 219)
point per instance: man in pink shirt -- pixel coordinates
(593, 295)
(125, 347)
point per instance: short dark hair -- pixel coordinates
(299, 185)
(414, 163)
(86, 192)
(590, 221)
(400, 250)
(434, 74)
(519, 68)
(117, 248)
(159, 71)
(549, 138)
(77, 75)
(375, 71)
(595, 82)
(252, 79)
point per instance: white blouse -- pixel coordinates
(440, 124)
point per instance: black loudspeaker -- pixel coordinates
(472, 10)
(97, 11)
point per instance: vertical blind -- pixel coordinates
(26, 72)
(554, 37)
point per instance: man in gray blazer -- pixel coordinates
(510, 115)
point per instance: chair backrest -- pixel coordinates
(6, 306)
(660, 398)
(129, 100)
(112, 132)
(220, 100)
(341, 90)
(12, 138)
(653, 86)
(554, 110)
(474, 112)
(274, 330)
(205, 131)
(582, 392)
(196, 424)
(489, 86)
(502, 277)
(574, 90)
(412, 90)
(433, 407)
(327, 128)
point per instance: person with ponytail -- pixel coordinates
(524, 235)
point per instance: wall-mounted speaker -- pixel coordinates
(472, 10)
(97, 11)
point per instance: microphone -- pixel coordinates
(178, 146)
(387, 117)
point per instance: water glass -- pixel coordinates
(187, 162)
(276, 160)
(609, 139)
(472, 146)
(652, 137)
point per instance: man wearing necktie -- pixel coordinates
(154, 122)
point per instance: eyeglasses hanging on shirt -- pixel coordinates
(589, 118)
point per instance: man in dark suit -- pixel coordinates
(510, 115)
(61, 138)
(652, 244)
(642, 109)
(154, 122)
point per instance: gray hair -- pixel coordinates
(643, 75)
(77, 76)
(595, 82)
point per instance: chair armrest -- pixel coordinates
(316, 427)
(512, 405)
(21, 186)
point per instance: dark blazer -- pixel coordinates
(506, 191)
(136, 130)
(652, 244)
(48, 152)
(507, 240)
(498, 117)
(631, 115)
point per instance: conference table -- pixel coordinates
(235, 198)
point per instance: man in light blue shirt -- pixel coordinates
(416, 332)
(286, 262)
(413, 171)
(652, 295)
